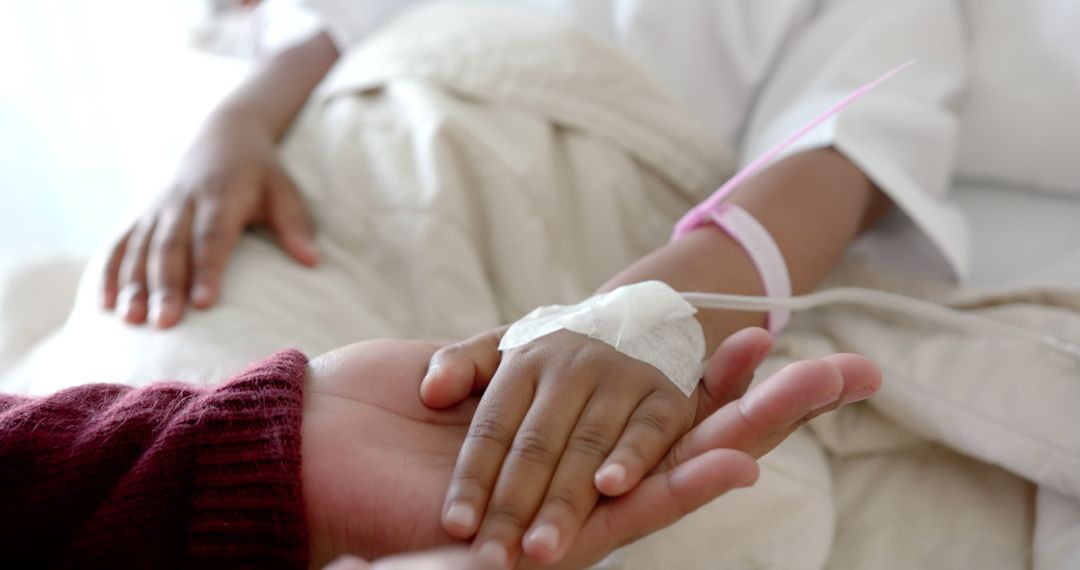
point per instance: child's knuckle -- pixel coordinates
(533, 445)
(591, 441)
(489, 430)
(655, 421)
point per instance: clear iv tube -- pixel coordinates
(882, 300)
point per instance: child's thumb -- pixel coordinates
(459, 369)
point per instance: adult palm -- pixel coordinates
(377, 461)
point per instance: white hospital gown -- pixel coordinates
(752, 72)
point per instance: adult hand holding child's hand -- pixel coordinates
(563, 418)
(608, 409)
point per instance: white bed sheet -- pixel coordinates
(1021, 237)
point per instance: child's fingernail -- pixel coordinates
(426, 382)
(613, 474)
(461, 515)
(154, 311)
(494, 553)
(201, 294)
(125, 297)
(545, 536)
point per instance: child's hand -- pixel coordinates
(230, 178)
(563, 419)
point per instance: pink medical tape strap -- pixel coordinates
(760, 246)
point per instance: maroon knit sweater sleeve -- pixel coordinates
(167, 476)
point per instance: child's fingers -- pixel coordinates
(289, 218)
(659, 420)
(527, 470)
(215, 232)
(111, 286)
(572, 495)
(132, 299)
(456, 370)
(487, 442)
(448, 382)
(168, 265)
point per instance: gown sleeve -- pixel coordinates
(903, 134)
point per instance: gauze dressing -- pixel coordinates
(648, 321)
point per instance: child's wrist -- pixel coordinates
(237, 114)
(648, 321)
(756, 242)
(708, 261)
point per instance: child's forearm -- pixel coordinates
(813, 203)
(274, 94)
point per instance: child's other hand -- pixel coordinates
(562, 420)
(176, 252)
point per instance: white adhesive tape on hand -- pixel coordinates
(648, 321)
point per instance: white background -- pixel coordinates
(97, 101)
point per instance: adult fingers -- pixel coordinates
(528, 468)
(487, 442)
(168, 265)
(658, 501)
(443, 559)
(456, 370)
(862, 378)
(731, 369)
(289, 219)
(657, 422)
(111, 272)
(132, 298)
(348, 563)
(772, 407)
(770, 411)
(572, 494)
(214, 233)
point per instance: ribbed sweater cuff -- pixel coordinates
(246, 503)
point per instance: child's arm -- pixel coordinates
(229, 178)
(566, 417)
(813, 203)
(274, 95)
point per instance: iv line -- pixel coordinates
(873, 298)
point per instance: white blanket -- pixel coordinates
(475, 161)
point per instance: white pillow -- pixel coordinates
(1021, 117)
